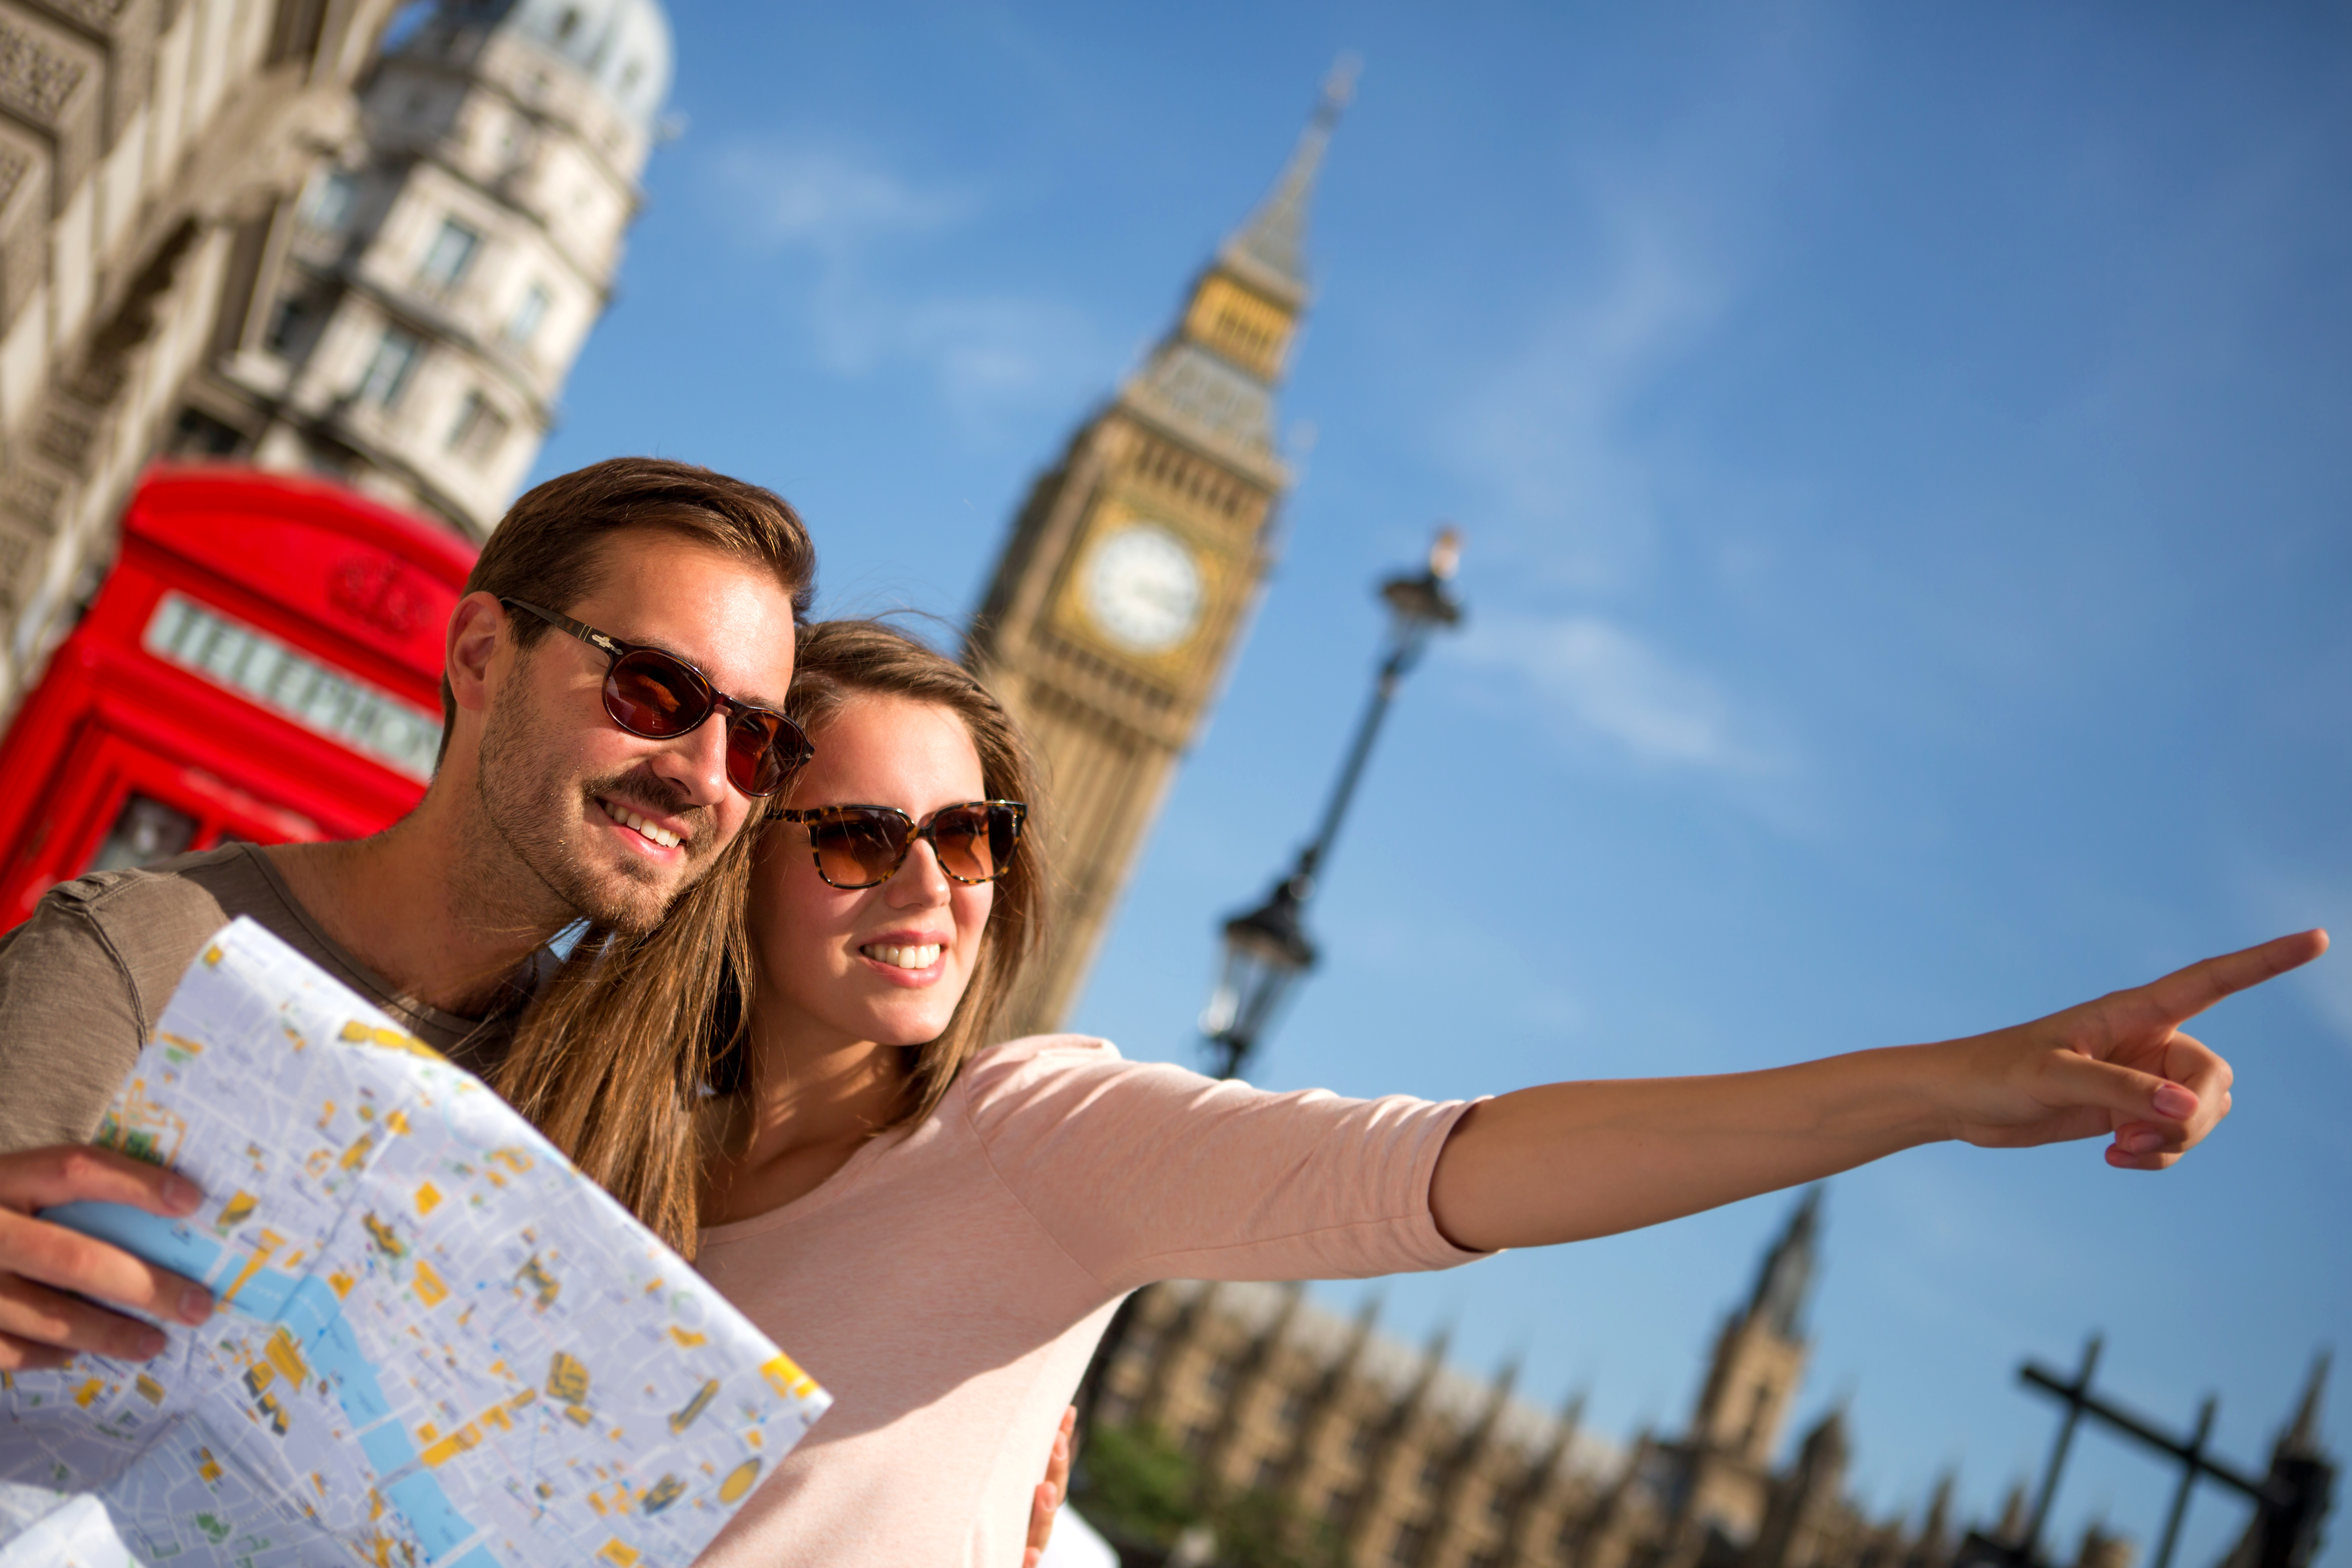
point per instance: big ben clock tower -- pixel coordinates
(1133, 568)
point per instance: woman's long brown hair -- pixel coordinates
(632, 1033)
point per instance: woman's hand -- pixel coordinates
(1048, 1498)
(2118, 1065)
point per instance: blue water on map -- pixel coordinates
(166, 1242)
(314, 1314)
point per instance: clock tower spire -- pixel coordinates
(1130, 572)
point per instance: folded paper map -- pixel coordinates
(438, 1343)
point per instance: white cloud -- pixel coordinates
(1598, 681)
(1544, 433)
(850, 217)
(830, 201)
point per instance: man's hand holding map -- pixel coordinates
(438, 1343)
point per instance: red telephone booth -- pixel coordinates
(263, 664)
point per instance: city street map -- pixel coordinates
(437, 1344)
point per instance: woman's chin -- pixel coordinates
(897, 1028)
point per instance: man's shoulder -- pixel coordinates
(156, 917)
(83, 980)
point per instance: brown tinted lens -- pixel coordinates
(763, 749)
(967, 848)
(651, 694)
(858, 848)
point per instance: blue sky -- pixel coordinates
(1905, 456)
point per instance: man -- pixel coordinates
(614, 680)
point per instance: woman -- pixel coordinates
(939, 1225)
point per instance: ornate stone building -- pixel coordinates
(1131, 570)
(1378, 1455)
(228, 229)
(406, 321)
(1400, 1458)
(137, 140)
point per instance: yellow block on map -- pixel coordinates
(786, 1378)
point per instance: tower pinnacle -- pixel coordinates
(1269, 250)
(1787, 1276)
(2300, 1441)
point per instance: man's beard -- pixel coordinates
(533, 808)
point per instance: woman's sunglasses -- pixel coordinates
(660, 696)
(864, 846)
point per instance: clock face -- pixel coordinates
(1143, 588)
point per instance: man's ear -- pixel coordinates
(473, 639)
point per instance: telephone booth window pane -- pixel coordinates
(144, 832)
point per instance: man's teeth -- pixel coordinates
(627, 818)
(920, 956)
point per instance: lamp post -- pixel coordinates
(1267, 951)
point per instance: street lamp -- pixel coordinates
(1267, 951)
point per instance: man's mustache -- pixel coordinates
(644, 790)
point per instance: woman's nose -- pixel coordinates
(920, 879)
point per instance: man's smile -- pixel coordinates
(650, 828)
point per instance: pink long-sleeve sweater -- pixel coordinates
(947, 1286)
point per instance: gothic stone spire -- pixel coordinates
(1210, 382)
(1269, 251)
(1787, 1277)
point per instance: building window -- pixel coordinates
(290, 326)
(1220, 1378)
(480, 429)
(332, 198)
(144, 832)
(1405, 1550)
(198, 434)
(1432, 1472)
(523, 325)
(1361, 1441)
(1293, 1407)
(388, 372)
(452, 252)
(1269, 1474)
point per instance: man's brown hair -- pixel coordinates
(548, 549)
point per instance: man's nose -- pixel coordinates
(697, 761)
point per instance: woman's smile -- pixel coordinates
(911, 958)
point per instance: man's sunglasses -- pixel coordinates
(661, 697)
(864, 846)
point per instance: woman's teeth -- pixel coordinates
(921, 956)
(627, 818)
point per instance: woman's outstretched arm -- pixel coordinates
(1570, 1161)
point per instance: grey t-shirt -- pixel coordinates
(83, 980)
